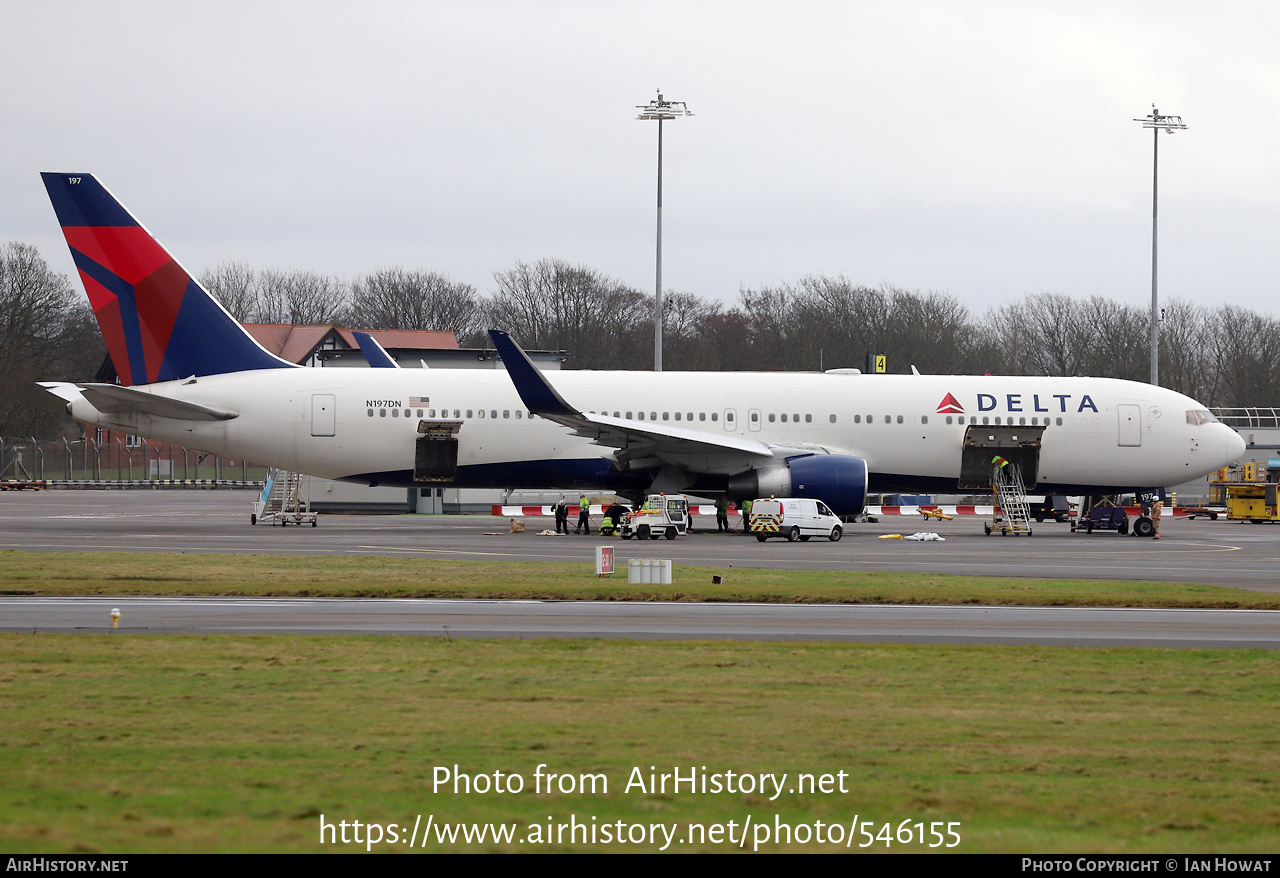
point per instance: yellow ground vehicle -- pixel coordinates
(1247, 491)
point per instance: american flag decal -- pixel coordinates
(419, 401)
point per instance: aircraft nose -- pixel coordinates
(1235, 445)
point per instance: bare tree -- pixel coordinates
(1118, 339)
(1186, 351)
(45, 335)
(828, 322)
(927, 330)
(392, 298)
(1058, 338)
(235, 286)
(299, 297)
(1247, 356)
(776, 337)
(1054, 334)
(33, 300)
(553, 305)
(686, 320)
(843, 321)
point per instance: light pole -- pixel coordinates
(661, 110)
(1168, 124)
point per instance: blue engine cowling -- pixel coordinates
(838, 480)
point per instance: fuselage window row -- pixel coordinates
(773, 417)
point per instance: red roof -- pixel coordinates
(292, 343)
(415, 339)
(297, 343)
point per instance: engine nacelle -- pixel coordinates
(838, 480)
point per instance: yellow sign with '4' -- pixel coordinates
(880, 364)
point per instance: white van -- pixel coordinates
(796, 518)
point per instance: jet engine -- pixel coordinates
(838, 480)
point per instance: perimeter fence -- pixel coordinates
(119, 462)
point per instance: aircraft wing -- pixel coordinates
(543, 400)
(114, 398)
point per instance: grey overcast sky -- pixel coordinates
(981, 148)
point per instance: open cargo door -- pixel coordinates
(1019, 445)
(436, 456)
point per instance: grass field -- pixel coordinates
(237, 743)
(49, 573)
(159, 743)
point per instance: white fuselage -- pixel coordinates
(351, 423)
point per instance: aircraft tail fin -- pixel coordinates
(158, 322)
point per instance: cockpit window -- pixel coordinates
(1201, 417)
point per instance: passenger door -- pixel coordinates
(1130, 417)
(322, 414)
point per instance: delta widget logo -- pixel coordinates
(950, 406)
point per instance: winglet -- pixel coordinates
(533, 387)
(374, 353)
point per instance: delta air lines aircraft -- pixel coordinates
(189, 374)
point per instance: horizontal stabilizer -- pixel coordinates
(112, 398)
(63, 390)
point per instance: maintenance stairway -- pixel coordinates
(284, 499)
(1012, 514)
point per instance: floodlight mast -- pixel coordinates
(1168, 124)
(662, 110)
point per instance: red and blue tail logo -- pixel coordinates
(159, 324)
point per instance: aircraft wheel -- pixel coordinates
(761, 537)
(835, 534)
(1144, 527)
(1124, 527)
(793, 534)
